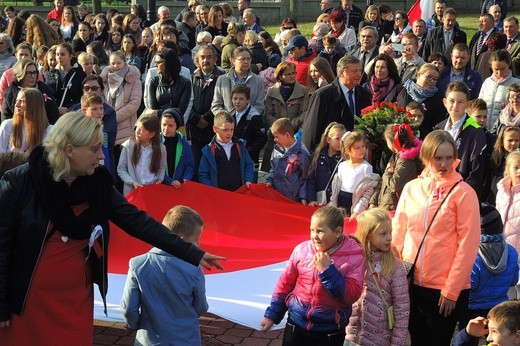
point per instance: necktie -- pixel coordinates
(480, 42)
(351, 102)
(509, 43)
(363, 60)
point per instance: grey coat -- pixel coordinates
(226, 82)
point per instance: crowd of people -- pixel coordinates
(213, 98)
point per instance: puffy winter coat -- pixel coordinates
(402, 168)
(508, 204)
(368, 324)
(495, 270)
(126, 113)
(451, 245)
(319, 302)
(495, 95)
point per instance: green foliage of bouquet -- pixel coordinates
(373, 122)
(375, 118)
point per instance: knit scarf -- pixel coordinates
(508, 118)
(380, 88)
(116, 85)
(338, 32)
(58, 198)
(286, 91)
(418, 93)
(500, 80)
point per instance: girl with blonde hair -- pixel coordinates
(380, 316)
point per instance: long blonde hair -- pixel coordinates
(368, 222)
(512, 157)
(332, 128)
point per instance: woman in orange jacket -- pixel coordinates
(442, 273)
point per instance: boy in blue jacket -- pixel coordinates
(496, 267)
(225, 162)
(164, 296)
(289, 162)
(179, 157)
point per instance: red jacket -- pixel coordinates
(302, 66)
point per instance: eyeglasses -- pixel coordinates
(287, 28)
(431, 78)
(31, 73)
(158, 62)
(243, 59)
(87, 88)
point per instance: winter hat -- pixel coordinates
(176, 114)
(490, 220)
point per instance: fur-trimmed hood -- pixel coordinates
(413, 152)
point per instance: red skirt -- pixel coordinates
(59, 305)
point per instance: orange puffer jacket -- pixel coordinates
(450, 248)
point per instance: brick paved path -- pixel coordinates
(216, 331)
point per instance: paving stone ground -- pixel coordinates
(215, 331)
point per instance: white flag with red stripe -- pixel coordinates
(422, 9)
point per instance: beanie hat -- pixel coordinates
(490, 220)
(176, 113)
(274, 60)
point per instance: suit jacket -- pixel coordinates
(357, 53)
(473, 48)
(435, 42)
(514, 47)
(328, 104)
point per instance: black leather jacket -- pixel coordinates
(22, 236)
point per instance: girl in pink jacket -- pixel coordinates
(321, 281)
(373, 322)
(440, 202)
(508, 204)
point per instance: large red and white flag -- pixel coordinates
(256, 229)
(422, 9)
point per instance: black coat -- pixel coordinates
(470, 148)
(434, 42)
(473, 48)
(328, 104)
(68, 88)
(162, 95)
(23, 228)
(51, 108)
(202, 98)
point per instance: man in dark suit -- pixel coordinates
(478, 45)
(442, 38)
(368, 49)
(419, 30)
(513, 37)
(187, 26)
(340, 101)
(326, 6)
(353, 14)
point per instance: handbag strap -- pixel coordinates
(377, 285)
(332, 174)
(431, 222)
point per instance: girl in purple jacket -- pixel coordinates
(321, 280)
(380, 316)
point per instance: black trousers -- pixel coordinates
(296, 336)
(427, 327)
